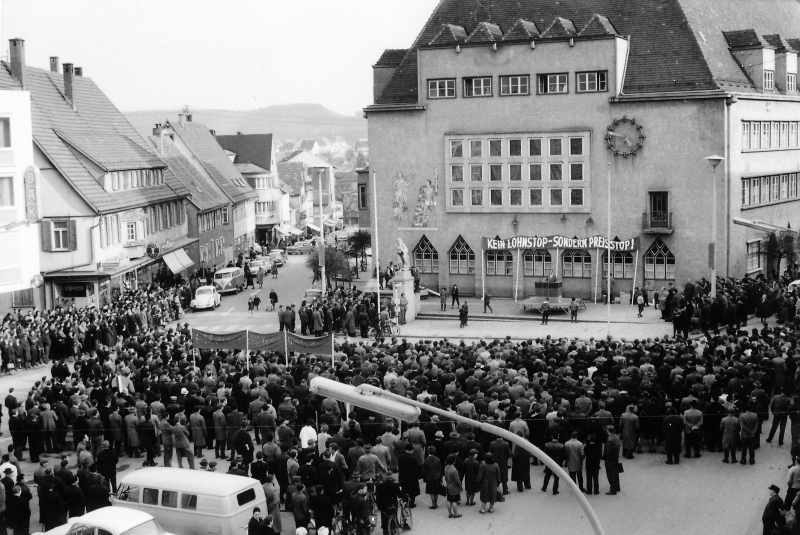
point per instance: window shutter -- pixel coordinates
(47, 236)
(72, 235)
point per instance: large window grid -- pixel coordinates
(769, 135)
(576, 263)
(753, 255)
(769, 189)
(589, 82)
(499, 263)
(553, 167)
(426, 258)
(462, 258)
(442, 88)
(659, 262)
(478, 87)
(515, 85)
(536, 263)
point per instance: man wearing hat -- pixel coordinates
(611, 458)
(772, 516)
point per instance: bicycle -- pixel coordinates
(401, 520)
(389, 328)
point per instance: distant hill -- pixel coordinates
(292, 121)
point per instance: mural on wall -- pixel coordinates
(400, 204)
(424, 212)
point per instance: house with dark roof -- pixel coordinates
(295, 178)
(198, 145)
(255, 157)
(112, 213)
(561, 123)
(205, 212)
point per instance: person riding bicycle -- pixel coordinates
(349, 492)
(361, 512)
(387, 492)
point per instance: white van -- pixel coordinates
(229, 280)
(192, 502)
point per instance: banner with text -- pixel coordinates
(267, 342)
(559, 242)
(302, 344)
(206, 340)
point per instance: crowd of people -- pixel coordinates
(124, 382)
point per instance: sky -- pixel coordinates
(232, 54)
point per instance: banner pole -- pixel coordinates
(596, 273)
(635, 271)
(516, 283)
(286, 347)
(247, 349)
(483, 273)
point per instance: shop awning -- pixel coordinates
(287, 231)
(330, 223)
(312, 226)
(177, 261)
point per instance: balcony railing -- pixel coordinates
(657, 222)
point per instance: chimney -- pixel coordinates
(68, 84)
(213, 132)
(157, 129)
(78, 71)
(188, 117)
(54, 63)
(17, 56)
(182, 118)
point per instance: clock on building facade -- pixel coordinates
(625, 136)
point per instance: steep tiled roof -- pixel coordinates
(248, 168)
(743, 38)
(709, 19)
(205, 194)
(306, 144)
(94, 128)
(449, 34)
(794, 43)
(522, 30)
(391, 57)
(214, 160)
(599, 25)
(253, 148)
(485, 32)
(560, 27)
(778, 42)
(293, 175)
(665, 45)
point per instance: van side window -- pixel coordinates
(128, 493)
(188, 501)
(246, 497)
(169, 498)
(150, 497)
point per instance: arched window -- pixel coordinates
(622, 265)
(499, 263)
(659, 262)
(462, 259)
(538, 263)
(426, 259)
(577, 263)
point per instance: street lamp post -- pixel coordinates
(714, 160)
(395, 406)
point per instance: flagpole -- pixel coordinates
(323, 254)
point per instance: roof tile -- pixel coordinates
(743, 38)
(522, 30)
(392, 57)
(485, 32)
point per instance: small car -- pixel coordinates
(278, 256)
(260, 262)
(229, 280)
(206, 297)
(313, 294)
(301, 247)
(109, 521)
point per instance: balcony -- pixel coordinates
(657, 223)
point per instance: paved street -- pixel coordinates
(699, 496)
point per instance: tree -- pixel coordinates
(336, 265)
(359, 242)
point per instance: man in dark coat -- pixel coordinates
(243, 445)
(672, 430)
(52, 509)
(148, 437)
(502, 453)
(74, 500)
(18, 512)
(408, 469)
(611, 458)
(772, 512)
(106, 461)
(555, 450)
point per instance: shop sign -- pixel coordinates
(109, 265)
(559, 242)
(31, 200)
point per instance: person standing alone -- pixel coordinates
(486, 302)
(454, 295)
(611, 458)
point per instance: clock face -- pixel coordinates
(624, 137)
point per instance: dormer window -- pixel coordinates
(791, 82)
(769, 80)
